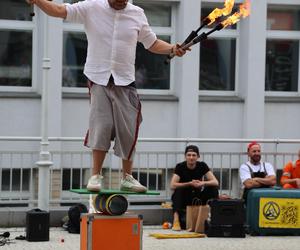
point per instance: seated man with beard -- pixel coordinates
(256, 173)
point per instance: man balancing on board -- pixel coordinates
(113, 28)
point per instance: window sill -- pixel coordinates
(32, 95)
(205, 98)
(282, 99)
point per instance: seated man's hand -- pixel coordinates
(298, 182)
(198, 183)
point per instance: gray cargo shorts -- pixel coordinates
(115, 114)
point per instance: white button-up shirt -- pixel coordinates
(112, 37)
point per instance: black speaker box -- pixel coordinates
(37, 225)
(232, 231)
(227, 212)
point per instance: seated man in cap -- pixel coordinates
(191, 179)
(255, 173)
(291, 174)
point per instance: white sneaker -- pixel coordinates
(131, 184)
(95, 183)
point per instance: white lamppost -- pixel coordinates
(44, 162)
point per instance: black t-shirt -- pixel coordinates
(187, 174)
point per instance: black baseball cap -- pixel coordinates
(192, 148)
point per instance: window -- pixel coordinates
(151, 71)
(73, 178)
(15, 10)
(217, 55)
(222, 176)
(282, 48)
(74, 54)
(283, 17)
(152, 179)
(217, 60)
(282, 64)
(15, 44)
(15, 180)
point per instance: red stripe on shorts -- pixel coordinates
(137, 125)
(86, 139)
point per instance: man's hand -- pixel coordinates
(298, 182)
(178, 51)
(197, 183)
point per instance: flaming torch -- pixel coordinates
(210, 19)
(244, 11)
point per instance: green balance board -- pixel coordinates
(112, 191)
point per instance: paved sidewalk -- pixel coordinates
(62, 240)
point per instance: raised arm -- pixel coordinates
(50, 8)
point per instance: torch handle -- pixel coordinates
(191, 36)
(32, 14)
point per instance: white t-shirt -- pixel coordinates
(112, 37)
(245, 172)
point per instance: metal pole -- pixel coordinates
(44, 162)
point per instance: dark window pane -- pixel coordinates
(225, 177)
(26, 179)
(66, 181)
(158, 14)
(15, 58)
(74, 56)
(207, 8)
(143, 177)
(283, 17)
(217, 64)
(151, 71)
(15, 10)
(5, 179)
(16, 179)
(282, 60)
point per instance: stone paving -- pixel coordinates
(62, 240)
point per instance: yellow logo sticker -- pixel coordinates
(279, 213)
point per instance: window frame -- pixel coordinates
(232, 34)
(168, 31)
(284, 35)
(16, 25)
(226, 33)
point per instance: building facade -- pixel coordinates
(243, 82)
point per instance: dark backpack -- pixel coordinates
(74, 217)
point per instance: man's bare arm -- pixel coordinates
(269, 180)
(50, 8)
(164, 48)
(251, 183)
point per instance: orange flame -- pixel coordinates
(220, 12)
(244, 11)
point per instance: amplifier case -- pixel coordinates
(37, 225)
(227, 212)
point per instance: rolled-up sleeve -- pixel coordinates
(146, 36)
(244, 173)
(77, 12)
